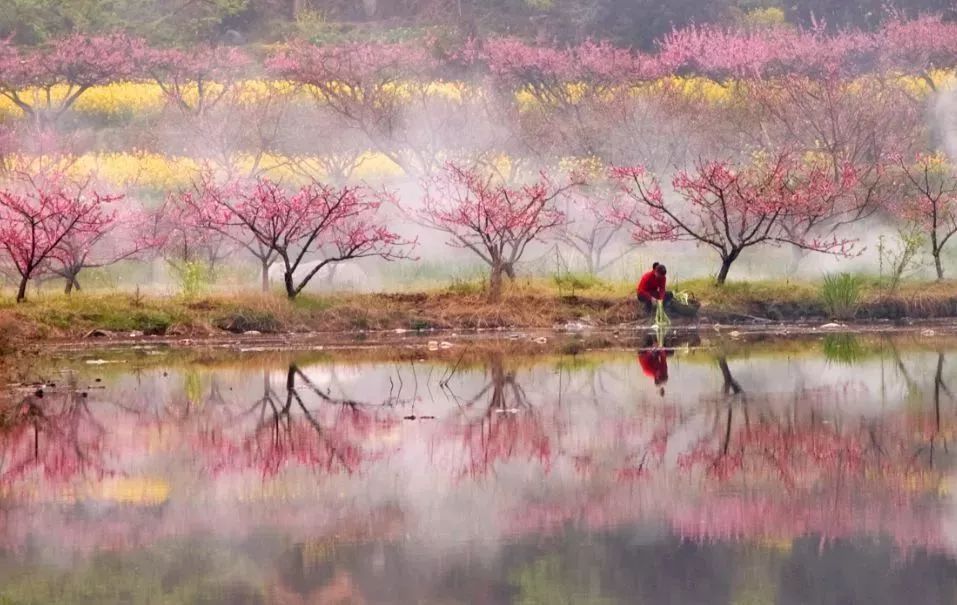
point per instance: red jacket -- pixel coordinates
(653, 285)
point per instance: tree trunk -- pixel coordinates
(495, 284)
(265, 275)
(797, 255)
(938, 265)
(71, 283)
(330, 278)
(290, 286)
(725, 267)
(22, 291)
(509, 269)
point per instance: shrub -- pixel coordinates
(463, 287)
(247, 320)
(841, 295)
(571, 282)
(192, 277)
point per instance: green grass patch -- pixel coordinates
(841, 295)
(740, 294)
(308, 302)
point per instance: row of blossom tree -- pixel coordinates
(805, 133)
(50, 223)
(80, 62)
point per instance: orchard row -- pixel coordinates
(730, 139)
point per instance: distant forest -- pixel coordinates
(634, 23)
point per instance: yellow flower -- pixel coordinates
(121, 98)
(139, 169)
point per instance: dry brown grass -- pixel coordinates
(526, 305)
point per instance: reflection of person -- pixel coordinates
(654, 364)
(651, 288)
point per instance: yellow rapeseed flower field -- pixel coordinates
(147, 170)
(136, 98)
(139, 169)
(118, 98)
(121, 98)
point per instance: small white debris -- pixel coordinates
(832, 326)
(252, 333)
(400, 330)
(507, 411)
(136, 334)
(735, 333)
(445, 345)
(100, 362)
(433, 345)
(541, 340)
(927, 332)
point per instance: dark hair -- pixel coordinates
(660, 268)
(654, 265)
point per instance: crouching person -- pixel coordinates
(651, 288)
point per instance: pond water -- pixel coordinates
(817, 470)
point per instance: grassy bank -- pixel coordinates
(527, 304)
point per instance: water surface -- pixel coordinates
(817, 471)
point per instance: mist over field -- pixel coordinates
(369, 146)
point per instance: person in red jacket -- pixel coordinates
(651, 288)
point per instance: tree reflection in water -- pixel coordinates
(497, 423)
(517, 453)
(51, 432)
(328, 435)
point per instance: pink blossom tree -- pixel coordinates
(196, 80)
(122, 238)
(372, 89)
(315, 221)
(494, 221)
(731, 208)
(40, 213)
(929, 201)
(203, 210)
(592, 230)
(918, 46)
(76, 62)
(563, 98)
(831, 97)
(187, 248)
(215, 112)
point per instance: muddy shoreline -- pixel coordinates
(404, 343)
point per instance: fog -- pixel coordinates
(392, 116)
